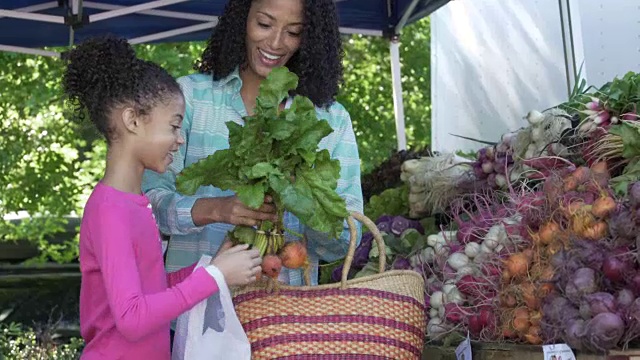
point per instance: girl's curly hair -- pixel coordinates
(318, 61)
(104, 72)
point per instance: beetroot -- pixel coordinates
(604, 332)
(573, 333)
(617, 265)
(634, 283)
(634, 194)
(625, 298)
(581, 283)
(600, 302)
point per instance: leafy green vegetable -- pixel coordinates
(276, 153)
(326, 270)
(631, 174)
(374, 253)
(630, 135)
(393, 201)
(370, 269)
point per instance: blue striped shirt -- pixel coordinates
(209, 104)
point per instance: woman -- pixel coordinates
(252, 38)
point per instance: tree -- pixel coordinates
(49, 161)
(367, 92)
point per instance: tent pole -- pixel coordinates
(398, 105)
(76, 10)
(405, 17)
(29, 51)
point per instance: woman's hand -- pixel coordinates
(231, 210)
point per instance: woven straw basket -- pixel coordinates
(380, 316)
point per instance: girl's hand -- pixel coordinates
(238, 265)
(231, 210)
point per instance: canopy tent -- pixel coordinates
(26, 26)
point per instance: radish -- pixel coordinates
(472, 249)
(437, 300)
(458, 260)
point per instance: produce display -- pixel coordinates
(542, 242)
(387, 174)
(533, 241)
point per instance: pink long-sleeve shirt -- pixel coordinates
(127, 300)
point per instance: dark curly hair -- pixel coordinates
(104, 72)
(318, 61)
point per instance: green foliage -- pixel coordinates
(49, 161)
(39, 149)
(276, 153)
(368, 96)
(394, 201)
(18, 342)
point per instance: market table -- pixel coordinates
(486, 351)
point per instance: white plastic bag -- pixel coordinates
(211, 329)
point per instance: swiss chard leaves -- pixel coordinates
(276, 153)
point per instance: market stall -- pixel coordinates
(534, 239)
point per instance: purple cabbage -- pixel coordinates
(384, 227)
(399, 224)
(384, 219)
(336, 274)
(401, 263)
(361, 255)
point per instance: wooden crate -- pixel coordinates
(486, 351)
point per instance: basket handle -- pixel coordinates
(382, 260)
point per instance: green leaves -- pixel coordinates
(272, 92)
(630, 135)
(251, 194)
(276, 152)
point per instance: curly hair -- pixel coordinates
(317, 63)
(104, 72)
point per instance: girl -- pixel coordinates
(253, 37)
(127, 301)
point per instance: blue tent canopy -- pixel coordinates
(40, 23)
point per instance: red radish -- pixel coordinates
(294, 255)
(473, 286)
(271, 266)
(454, 313)
(593, 105)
